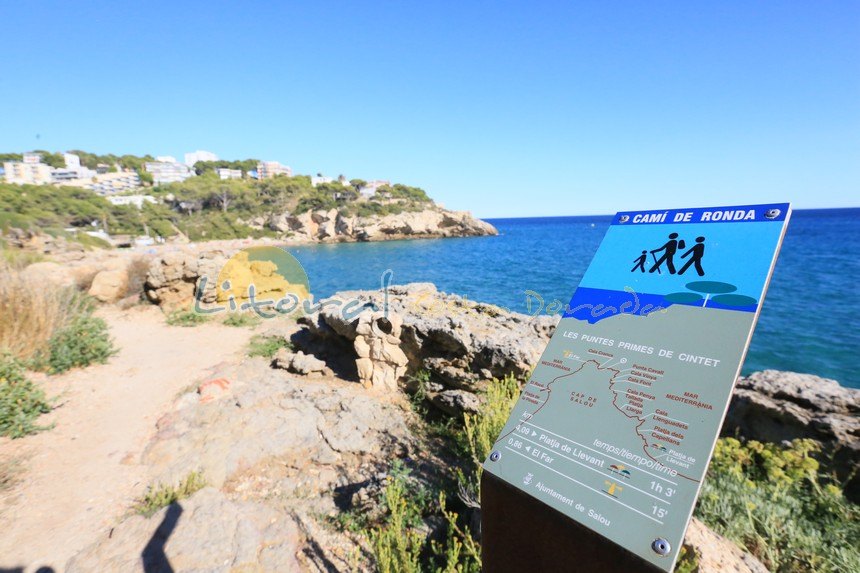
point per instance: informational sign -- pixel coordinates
(617, 424)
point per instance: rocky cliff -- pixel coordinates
(774, 406)
(333, 226)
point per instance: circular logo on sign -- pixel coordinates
(264, 274)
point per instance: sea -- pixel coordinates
(809, 320)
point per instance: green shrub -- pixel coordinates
(397, 545)
(163, 495)
(84, 341)
(186, 318)
(21, 401)
(399, 542)
(267, 345)
(32, 311)
(242, 319)
(772, 500)
(481, 430)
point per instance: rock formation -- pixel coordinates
(332, 226)
(462, 344)
(207, 532)
(774, 406)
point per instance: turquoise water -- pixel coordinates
(808, 323)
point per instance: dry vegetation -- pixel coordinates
(31, 312)
(43, 326)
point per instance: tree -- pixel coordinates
(224, 197)
(55, 160)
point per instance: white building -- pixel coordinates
(369, 188)
(29, 173)
(72, 161)
(106, 184)
(112, 183)
(199, 155)
(32, 158)
(168, 171)
(269, 169)
(136, 200)
(225, 173)
(320, 179)
(61, 175)
(73, 170)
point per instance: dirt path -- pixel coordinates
(80, 477)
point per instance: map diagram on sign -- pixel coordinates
(616, 425)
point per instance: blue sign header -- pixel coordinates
(735, 214)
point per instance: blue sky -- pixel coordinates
(502, 108)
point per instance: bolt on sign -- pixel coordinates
(617, 424)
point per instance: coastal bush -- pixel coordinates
(400, 540)
(186, 318)
(157, 497)
(21, 401)
(84, 341)
(773, 501)
(267, 345)
(32, 311)
(396, 544)
(481, 430)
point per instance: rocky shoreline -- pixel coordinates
(288, 444)
(333, 226)
(310, 227)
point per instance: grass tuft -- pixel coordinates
(243, 320)
(267, 345)
(162, 495)
(186, 318)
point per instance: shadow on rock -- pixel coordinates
(153, 555)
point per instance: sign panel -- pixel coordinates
(617, 424)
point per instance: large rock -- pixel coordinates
(774, 406)
(173, 277)
(298, 362)
(49, 272)
(716, 554)
(456, 402)
(206, 532)
(109, 286)
(411, 328)
(269, 415)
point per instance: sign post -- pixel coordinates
(601, 461)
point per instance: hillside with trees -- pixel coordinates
(202, 207)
